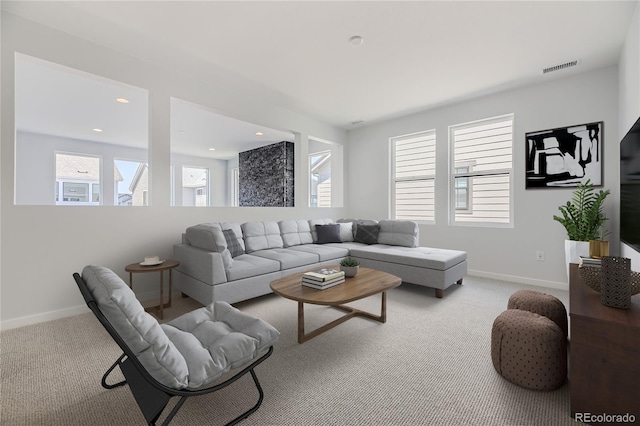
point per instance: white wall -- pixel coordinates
(507, 253)
(630, 99)
(43, 245)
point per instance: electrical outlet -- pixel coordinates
(540, 256)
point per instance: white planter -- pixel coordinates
(350, 271)
(573, 250)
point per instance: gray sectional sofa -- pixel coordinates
(232, 262)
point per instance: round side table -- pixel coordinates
(166, 265)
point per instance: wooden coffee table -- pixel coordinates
(366, 283)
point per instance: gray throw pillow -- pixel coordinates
(367, 234)
(328, 233)
(232, 243)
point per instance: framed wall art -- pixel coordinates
(564, 157)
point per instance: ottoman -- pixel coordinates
(529, 350)
(541, 304)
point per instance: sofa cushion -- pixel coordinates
(398, 233)
(295, 232)
(237, 229)
(139, 330)
(328, 233)
(246, 266)
(209, 236)
(367, 234)
(314, 222)
(346, 232)
(261, 236)
(288, 258)
(324, 251)
(232, 243)
(424, 257)
(216, 339)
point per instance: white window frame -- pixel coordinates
(471, 174)
(235, 187)
(328, 157)
(431, 134)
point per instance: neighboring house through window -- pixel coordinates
(195, 186)
(77, 179)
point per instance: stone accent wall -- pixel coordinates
(267, 176)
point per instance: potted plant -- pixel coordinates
(583, 218)
(599, 247)
(350, 266)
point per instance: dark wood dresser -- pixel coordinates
(604, 363)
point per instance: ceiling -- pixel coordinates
(296, 54)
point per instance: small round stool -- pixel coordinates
(541, 304)
(529, 350)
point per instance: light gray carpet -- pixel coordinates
(429, 364)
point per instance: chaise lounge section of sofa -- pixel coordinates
(234, 262)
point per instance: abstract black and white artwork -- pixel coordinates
(564, 157)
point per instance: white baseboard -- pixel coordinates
(43, 317)
(60, 313)
(521, 280)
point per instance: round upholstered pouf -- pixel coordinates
(529, 350)
(541, 304)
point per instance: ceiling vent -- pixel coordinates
(560, 67)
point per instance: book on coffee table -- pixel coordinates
(324, 274)
(322, 286)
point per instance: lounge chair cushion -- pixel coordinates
(189, 352)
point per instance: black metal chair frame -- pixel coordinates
(152, 396)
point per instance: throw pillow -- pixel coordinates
(346, 231)
(232, 243)
(367, 234)
(328, 233)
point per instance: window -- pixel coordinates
(77, 179)
(320, 179)
(195, 186)
(235, 186)
(414, 172)
(481, 164)
(131, 182)
(462, 191)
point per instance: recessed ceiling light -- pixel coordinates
(97, 130)
(212, 149)
(259, 133)
(356, 40)
(122, 100)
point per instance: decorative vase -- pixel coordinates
(616, 282)
(350, 271)
(573, 250)
(598, 248)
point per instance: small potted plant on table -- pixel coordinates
(350, 266)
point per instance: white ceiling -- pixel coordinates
(295, 54)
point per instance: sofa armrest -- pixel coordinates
(203, 265)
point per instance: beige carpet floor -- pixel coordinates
(428, 365)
